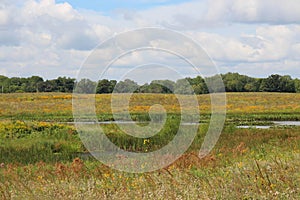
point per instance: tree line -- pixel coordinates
(233, 82)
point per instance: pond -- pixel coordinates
(275, 123)
(124, 122)
(253, 126)
(287, 123)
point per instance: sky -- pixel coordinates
(52, 38)
(106, 7)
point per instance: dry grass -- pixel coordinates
(58, 106)
(251, 179)
(245, 163)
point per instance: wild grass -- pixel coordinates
(245, 164)
(57, 107)
(43, 160)
(31, 142)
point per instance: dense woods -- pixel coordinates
(233, 82)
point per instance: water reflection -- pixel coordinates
(287, 123)
(258, 127)
(275, 123)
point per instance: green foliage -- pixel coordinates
(297, 85)
(182, 86)
(31, 142)
(126, 86)
(233, 82)
(277, 83)
(163, 87)
(166, 85)
(105, 86)
(85, 86)
(245, 164)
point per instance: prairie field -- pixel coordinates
(58, 106)
(43, 157)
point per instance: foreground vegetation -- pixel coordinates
(245, 164)
(46, 160)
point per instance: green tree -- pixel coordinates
(126, 86)
(253, 85)
(17, 84)
(85, 86)
(64, 84)
(105, 86)
(198, 84)
(152, 88)
(4, 84)
(214, 84)
(297, 85)
(33, 84)
(166, 85)
(183, 86)
(286, 84)
(277, 83)
(234, 82)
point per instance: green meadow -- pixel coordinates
(43, 157)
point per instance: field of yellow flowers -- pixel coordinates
(58, 106)
(41, 156)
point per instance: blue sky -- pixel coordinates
(107, 6)
(53, 38)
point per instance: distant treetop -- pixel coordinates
(233, 82)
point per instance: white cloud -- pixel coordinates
(269, 43)
(43, 38)
(195, 15)
(3, 17)
(51, 39)
(264, 69)
(63, 12)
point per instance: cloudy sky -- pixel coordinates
(53, 38)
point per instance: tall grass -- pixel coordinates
(33, 142)
(44, 160)
(263, 167)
